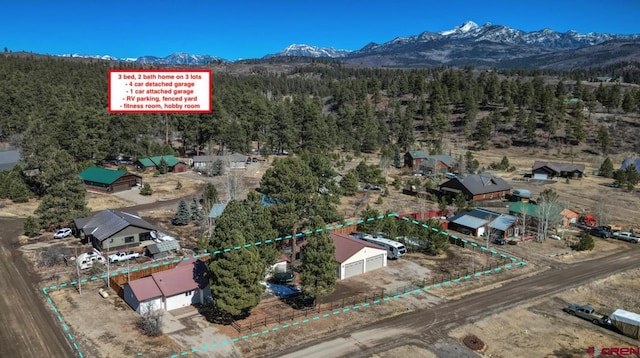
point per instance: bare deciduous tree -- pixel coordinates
(548, 210)
(150, 322)
(602, 210)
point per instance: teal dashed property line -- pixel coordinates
(218, 252)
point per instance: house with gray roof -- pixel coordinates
(476, 187)
(481, 222)
(550, 170)
(437, 164)
(114, 230)
(9, 158)
(413, 158)
(631, 161)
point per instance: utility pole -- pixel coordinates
(108, 267)
(78, 272)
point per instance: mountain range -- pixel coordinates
(485, 45)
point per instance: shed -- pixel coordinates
(109, 180)
(356, 256)
(162, 249)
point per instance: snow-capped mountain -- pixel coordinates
(178, 58)
(471, 44)
(302, 50)
(485, 45)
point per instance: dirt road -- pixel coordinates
(431, 325)
(27, 327)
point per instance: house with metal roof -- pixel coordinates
(9, 158)
(204, 163)
(356, 256)
(550, 170)
(478, 222)
(437, 164)
(152, 163)
(476, 187)
(413, 158)
(181, 286)
(631, 161)
(109, 180)
(162, 249)
(114, 230)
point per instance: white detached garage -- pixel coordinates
(356, 257)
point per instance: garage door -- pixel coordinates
(375, 262)
(541, 176)
(353, 269)
(121, 187)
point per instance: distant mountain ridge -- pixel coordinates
(485, 45)
(178, 58)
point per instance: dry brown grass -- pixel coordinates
(164, 186)
(115, 335)
(542, 329)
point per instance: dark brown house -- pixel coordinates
(549, 170)
(414, 158)
(477, 187)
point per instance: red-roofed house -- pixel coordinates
(357, 256)
(181, 286)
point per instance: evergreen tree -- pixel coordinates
(367, 226)
(163, 166)
(235, 275)
(196, 211)
(349, 183)
(64, 198)
(632, 175)
(319, 266)
(604, 139)
(31, 227)
(606, 168)
(182, 216)
(436, 242)
(146, 190)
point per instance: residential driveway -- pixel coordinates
(133, 195)
(191, 330)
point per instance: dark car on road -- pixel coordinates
(600, 232)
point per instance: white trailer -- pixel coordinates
(627, 322)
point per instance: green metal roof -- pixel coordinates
(523, 208)
(146, 162)
(417, 154)
(101, 175)
(170, 159)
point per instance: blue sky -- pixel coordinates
(252, 29)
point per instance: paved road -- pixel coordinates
(27, 327)
(429, 325)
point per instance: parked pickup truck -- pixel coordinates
(588, 313)
(626, 236)
(123, 256)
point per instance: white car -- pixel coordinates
(62, 233)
